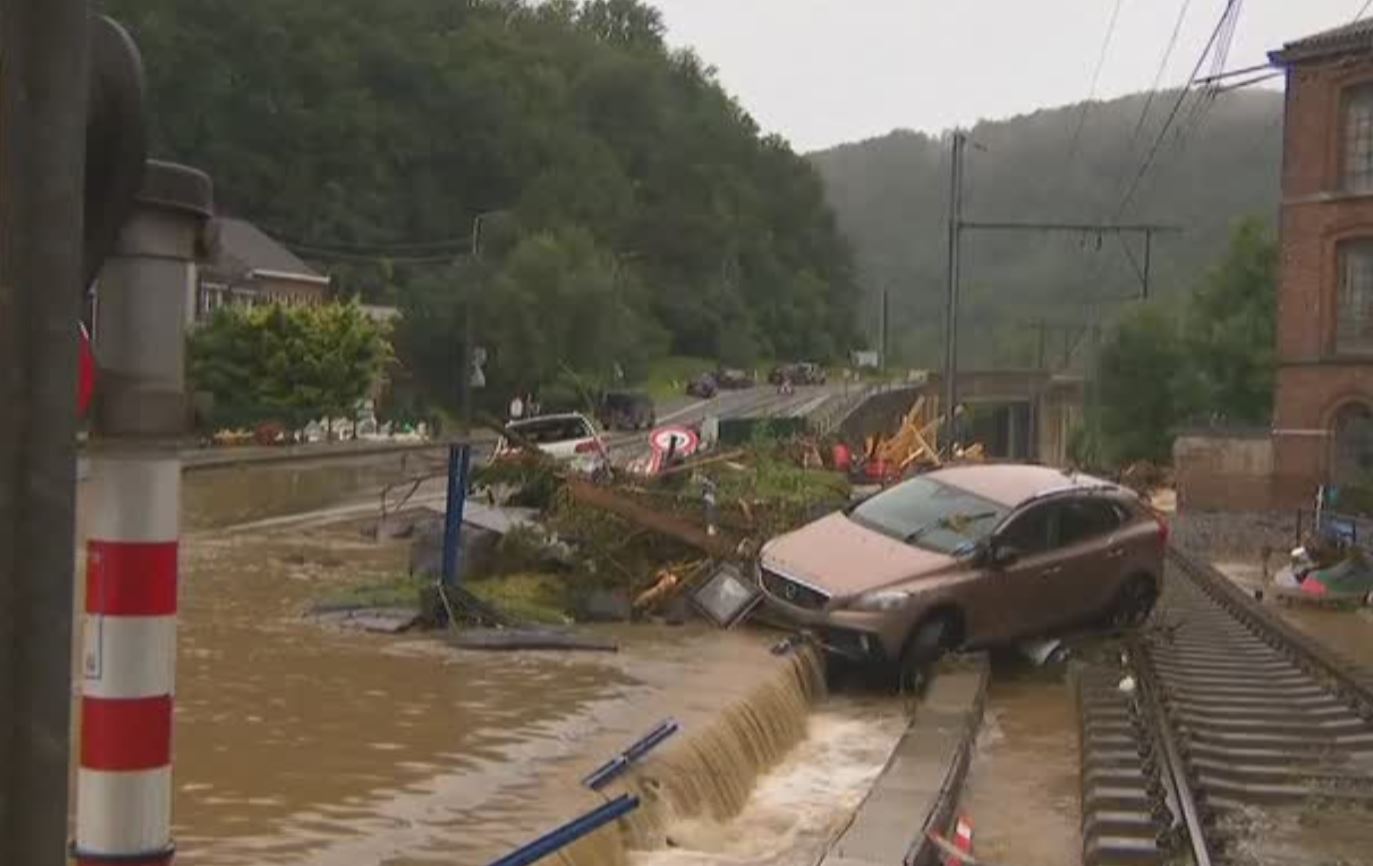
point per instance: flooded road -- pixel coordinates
(1022, 793)
(297, 744)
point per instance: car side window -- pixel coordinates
(1035, 531)
(1085, 519)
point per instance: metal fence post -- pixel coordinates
(459, 465)
(124, 793)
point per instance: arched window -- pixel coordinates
(1352, 458)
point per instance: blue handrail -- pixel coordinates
(570, 832)
(602, 775)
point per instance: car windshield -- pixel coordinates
(932, 515)
(542, 431)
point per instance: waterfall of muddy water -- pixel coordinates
(798, 808)
(711, 774)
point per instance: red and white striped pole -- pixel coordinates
(123, 787)
(124, 779)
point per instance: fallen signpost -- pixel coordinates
(616, 766)
(570, 832)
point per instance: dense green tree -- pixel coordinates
(289, 365)
(350, 123)
(1213, 364)
(1229, 331)
(1137, 374)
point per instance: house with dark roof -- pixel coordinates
(250, 268)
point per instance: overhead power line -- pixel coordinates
(1177, 107)
(1096, 79)
(1158, 75)
(1363, 10)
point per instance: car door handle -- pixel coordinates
(1050, 572)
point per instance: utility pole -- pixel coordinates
(886, 328)
(960, 142)
(44, 67)
(465, 377)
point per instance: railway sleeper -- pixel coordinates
(1123, 851)
(1276, 757)
(1314, 711)
(1114, 798)
(1277, 667)
(1138, 824)
(1204, 682)
(1254, 692)
(1331, 726)
(1315, 774)
(1362, 741)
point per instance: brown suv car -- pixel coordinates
(967, 556)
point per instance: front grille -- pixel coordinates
(793, 592)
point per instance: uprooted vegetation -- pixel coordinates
(637, 543)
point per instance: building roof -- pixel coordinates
(244, 249)
(1346, 39)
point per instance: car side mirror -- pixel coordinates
(1000, 554)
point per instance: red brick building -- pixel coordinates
(1323, 406)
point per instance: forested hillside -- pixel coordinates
(642, 210)
(891, 196)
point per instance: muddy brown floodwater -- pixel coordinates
(301, 745)
(1022, 792)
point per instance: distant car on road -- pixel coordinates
(626, 410)
(731, 379)
(782, 372)
(703, 386)
(569, 438)
(810, 374)
(967, 556)
(805, 373)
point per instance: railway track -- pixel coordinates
(1225, 725)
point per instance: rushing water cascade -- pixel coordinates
(711, 772)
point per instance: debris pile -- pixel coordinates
(638, 546)
(1329, 567)
(915, 446)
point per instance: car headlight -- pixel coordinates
(882, 600)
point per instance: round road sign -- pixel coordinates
(681, 441)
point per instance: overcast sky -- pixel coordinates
(822, 72)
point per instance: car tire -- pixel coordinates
(1133, 603)
(923, 649)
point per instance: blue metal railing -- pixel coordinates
(570, 832)
(617, 765)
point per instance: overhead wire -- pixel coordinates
(1096, 79)
(1158, 75)
(1176, 109)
